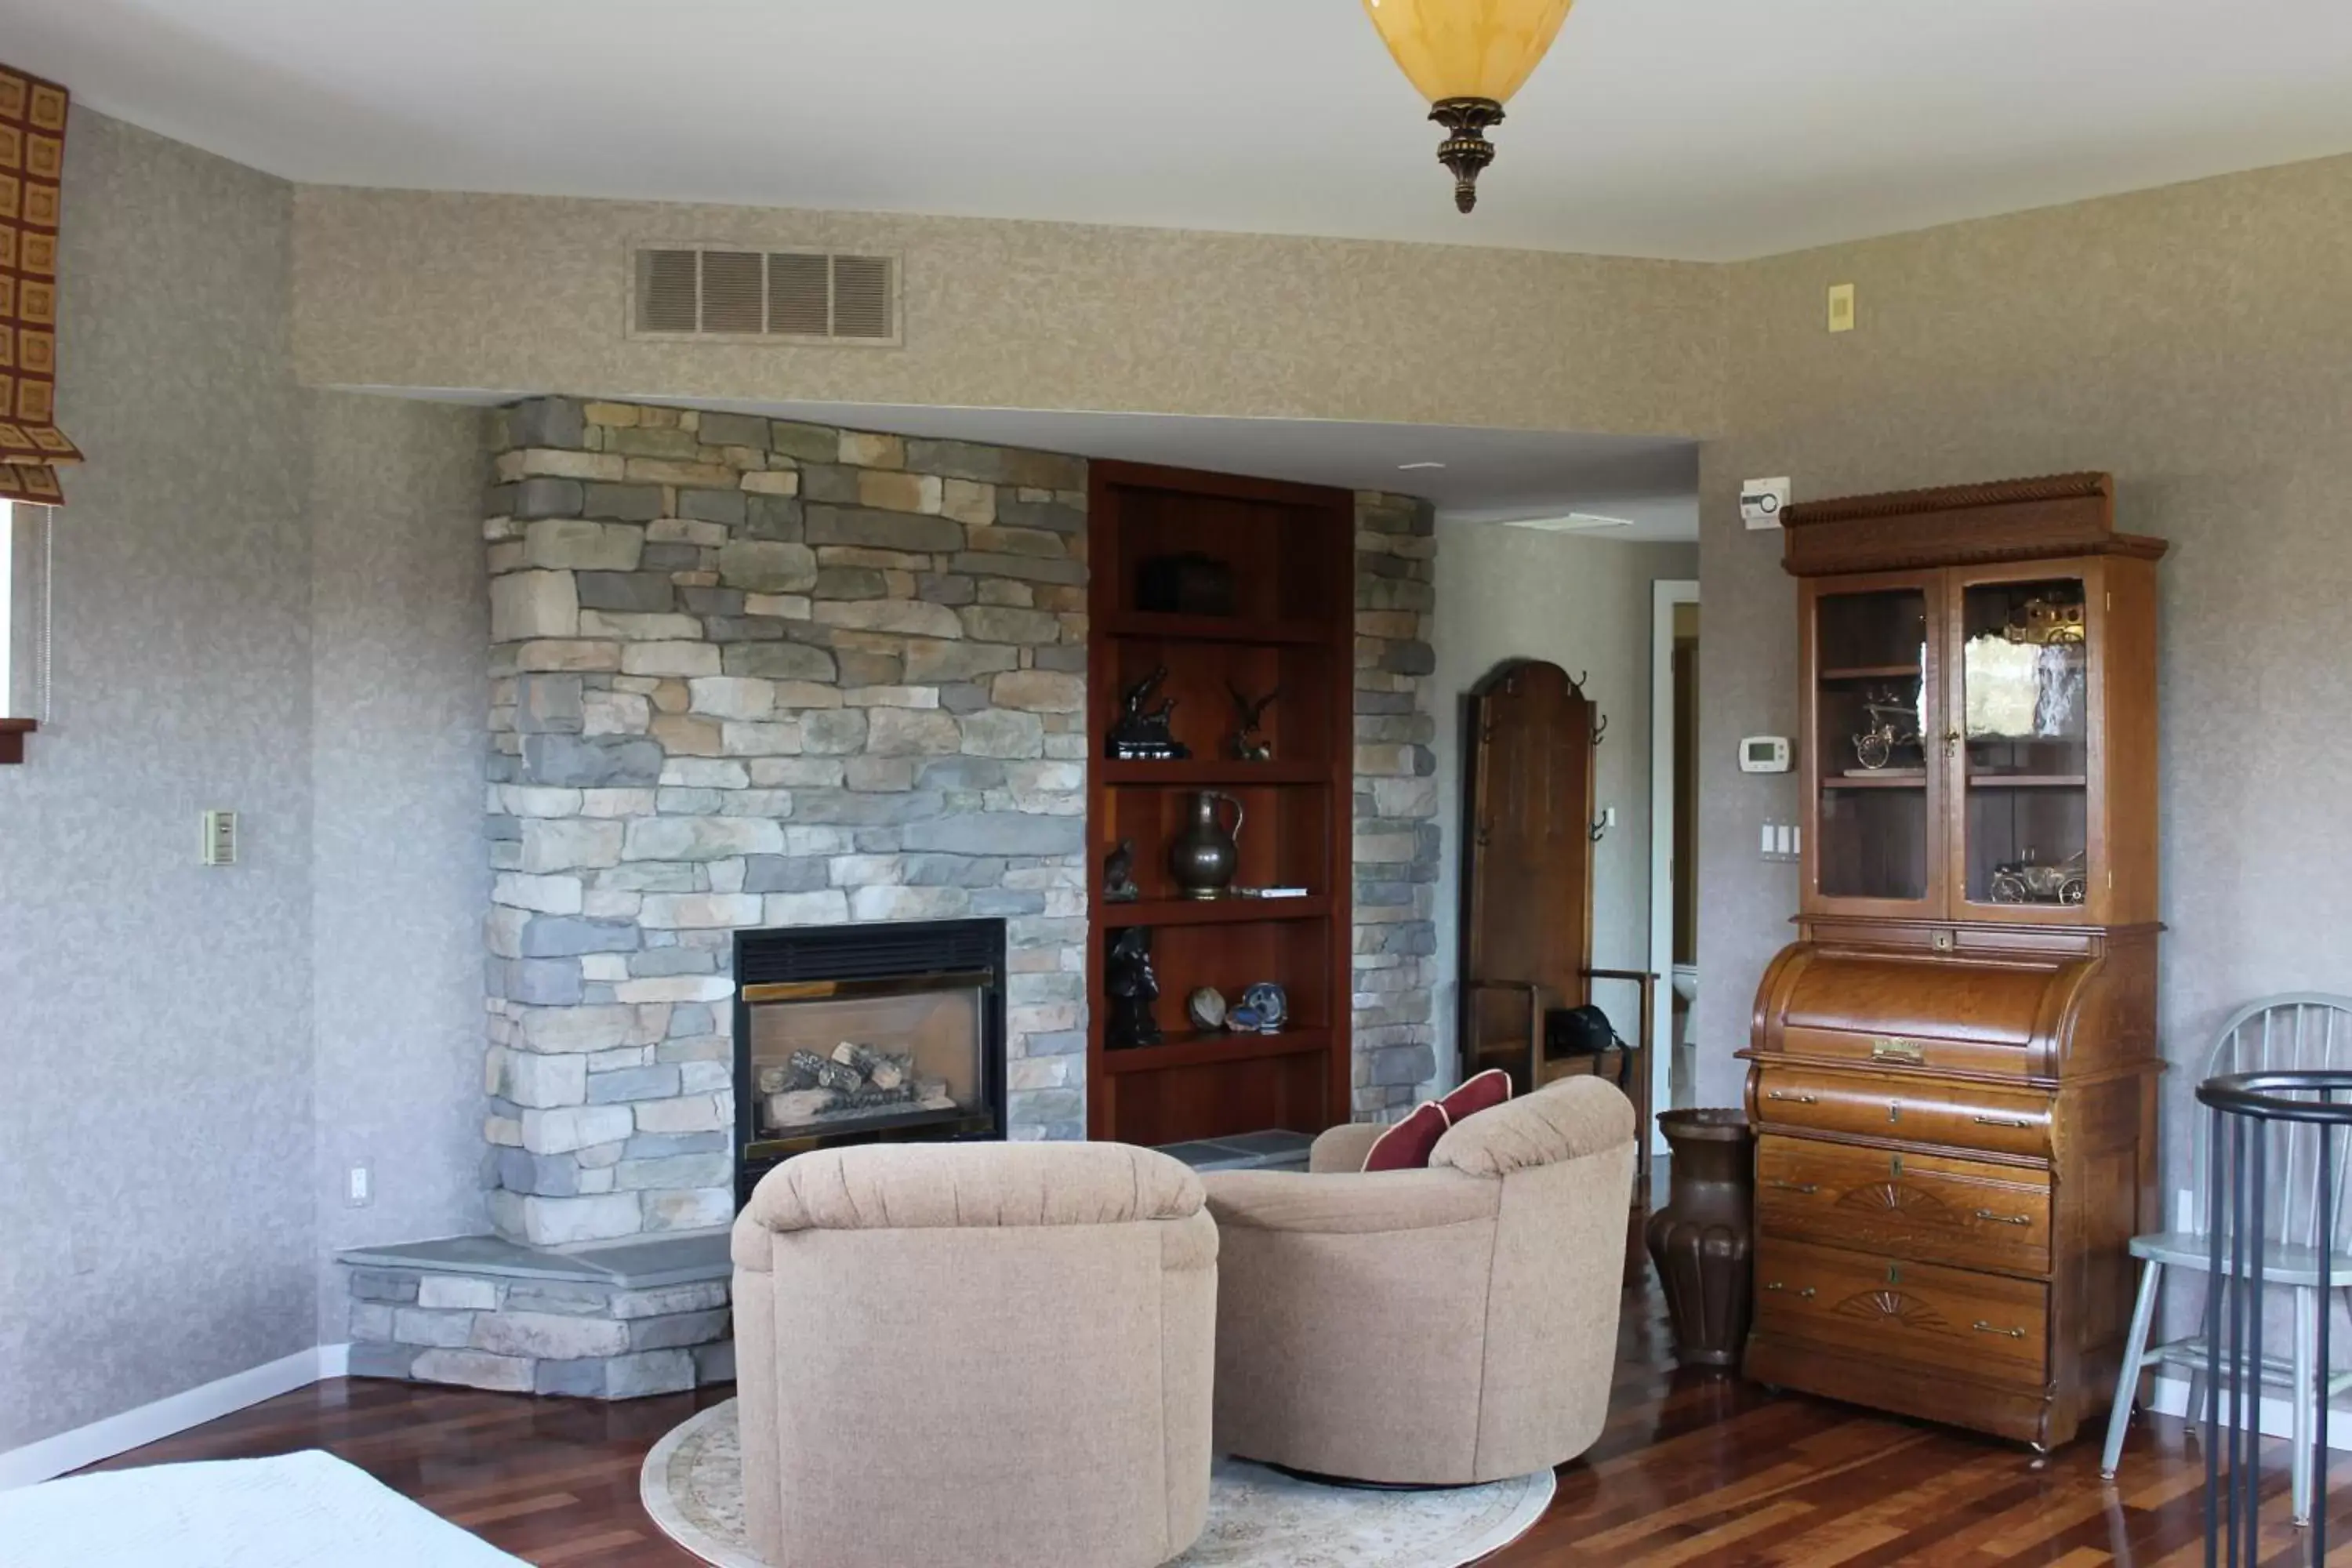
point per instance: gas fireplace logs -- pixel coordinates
(856, 1081)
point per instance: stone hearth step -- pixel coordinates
(1275, 1149)
(612, 1321)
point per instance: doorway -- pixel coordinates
(1673, 835)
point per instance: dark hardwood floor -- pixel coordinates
(1693, 1469)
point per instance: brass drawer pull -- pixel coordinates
(1806, 1294)
(2004, 1218)
(1897, 1050)
(1789, 1098)
(1807, 1188)
(2017, 1121)
(1984, 1328)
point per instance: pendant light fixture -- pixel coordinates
(1467, 57)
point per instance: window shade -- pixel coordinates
(32, 165)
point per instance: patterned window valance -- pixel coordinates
(32, 163)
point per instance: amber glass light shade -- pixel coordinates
(1467, 49)
(1467, 57)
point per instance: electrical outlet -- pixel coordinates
(2184, 1211)
(359, 1187)
(1840, 307)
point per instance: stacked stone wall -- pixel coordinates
(1397, 836)
(753, 673)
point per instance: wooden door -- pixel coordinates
(1527, 928)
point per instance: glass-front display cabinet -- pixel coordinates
(1953, 1068)
(1972, 734)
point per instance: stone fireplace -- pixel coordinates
(755, 681)
(749, 675)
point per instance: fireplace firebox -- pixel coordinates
(866, 1034)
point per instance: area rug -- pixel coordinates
(297, 1510)
(693, 1486)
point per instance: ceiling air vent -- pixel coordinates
(712, 291)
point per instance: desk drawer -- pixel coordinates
(1929, 1051)
(1984, 1326)
(1960, 1212)
(1908, 1108)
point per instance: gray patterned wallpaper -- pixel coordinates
(273, 601)
(399, 687)
(155, 1062)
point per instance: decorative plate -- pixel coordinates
(1270, 1003)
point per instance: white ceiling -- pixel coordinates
(1705, 129)
(1489, 475)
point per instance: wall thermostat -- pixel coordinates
(1764, 755)
(1761, 502)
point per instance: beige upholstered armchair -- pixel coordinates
(1443, 1326)
(975, 1354)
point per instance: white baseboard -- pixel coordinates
(152, 1423)
(2171, 1397)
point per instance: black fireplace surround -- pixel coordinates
(864, 1034)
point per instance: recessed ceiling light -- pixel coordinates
(1408, 467)
(1574, 523)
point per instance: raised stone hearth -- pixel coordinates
(608, 1322)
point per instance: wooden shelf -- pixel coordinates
(1190, 773)
(1192, 1048)
(12, 739)
(1287, 552)
(1212, 629)
(1873, 672)
(1976, 780)
(1210, 911)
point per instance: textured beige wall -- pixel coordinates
(1584, 604)
(408, 289)
(2195, 341)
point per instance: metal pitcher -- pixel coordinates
(1204, 857)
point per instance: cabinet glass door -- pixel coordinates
(1875, 838)
(2018, 739)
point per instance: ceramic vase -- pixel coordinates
(1703, 1240)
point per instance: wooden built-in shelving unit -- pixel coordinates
(1290, 548)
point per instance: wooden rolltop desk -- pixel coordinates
(1953, 1069)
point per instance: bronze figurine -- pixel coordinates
(1144, 735)
(1133, 987)
(1119, 875)
(1249, 742)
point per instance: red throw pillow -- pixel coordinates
(1406, 1144)
(1484, 1092)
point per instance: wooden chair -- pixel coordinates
(2305, 1030)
